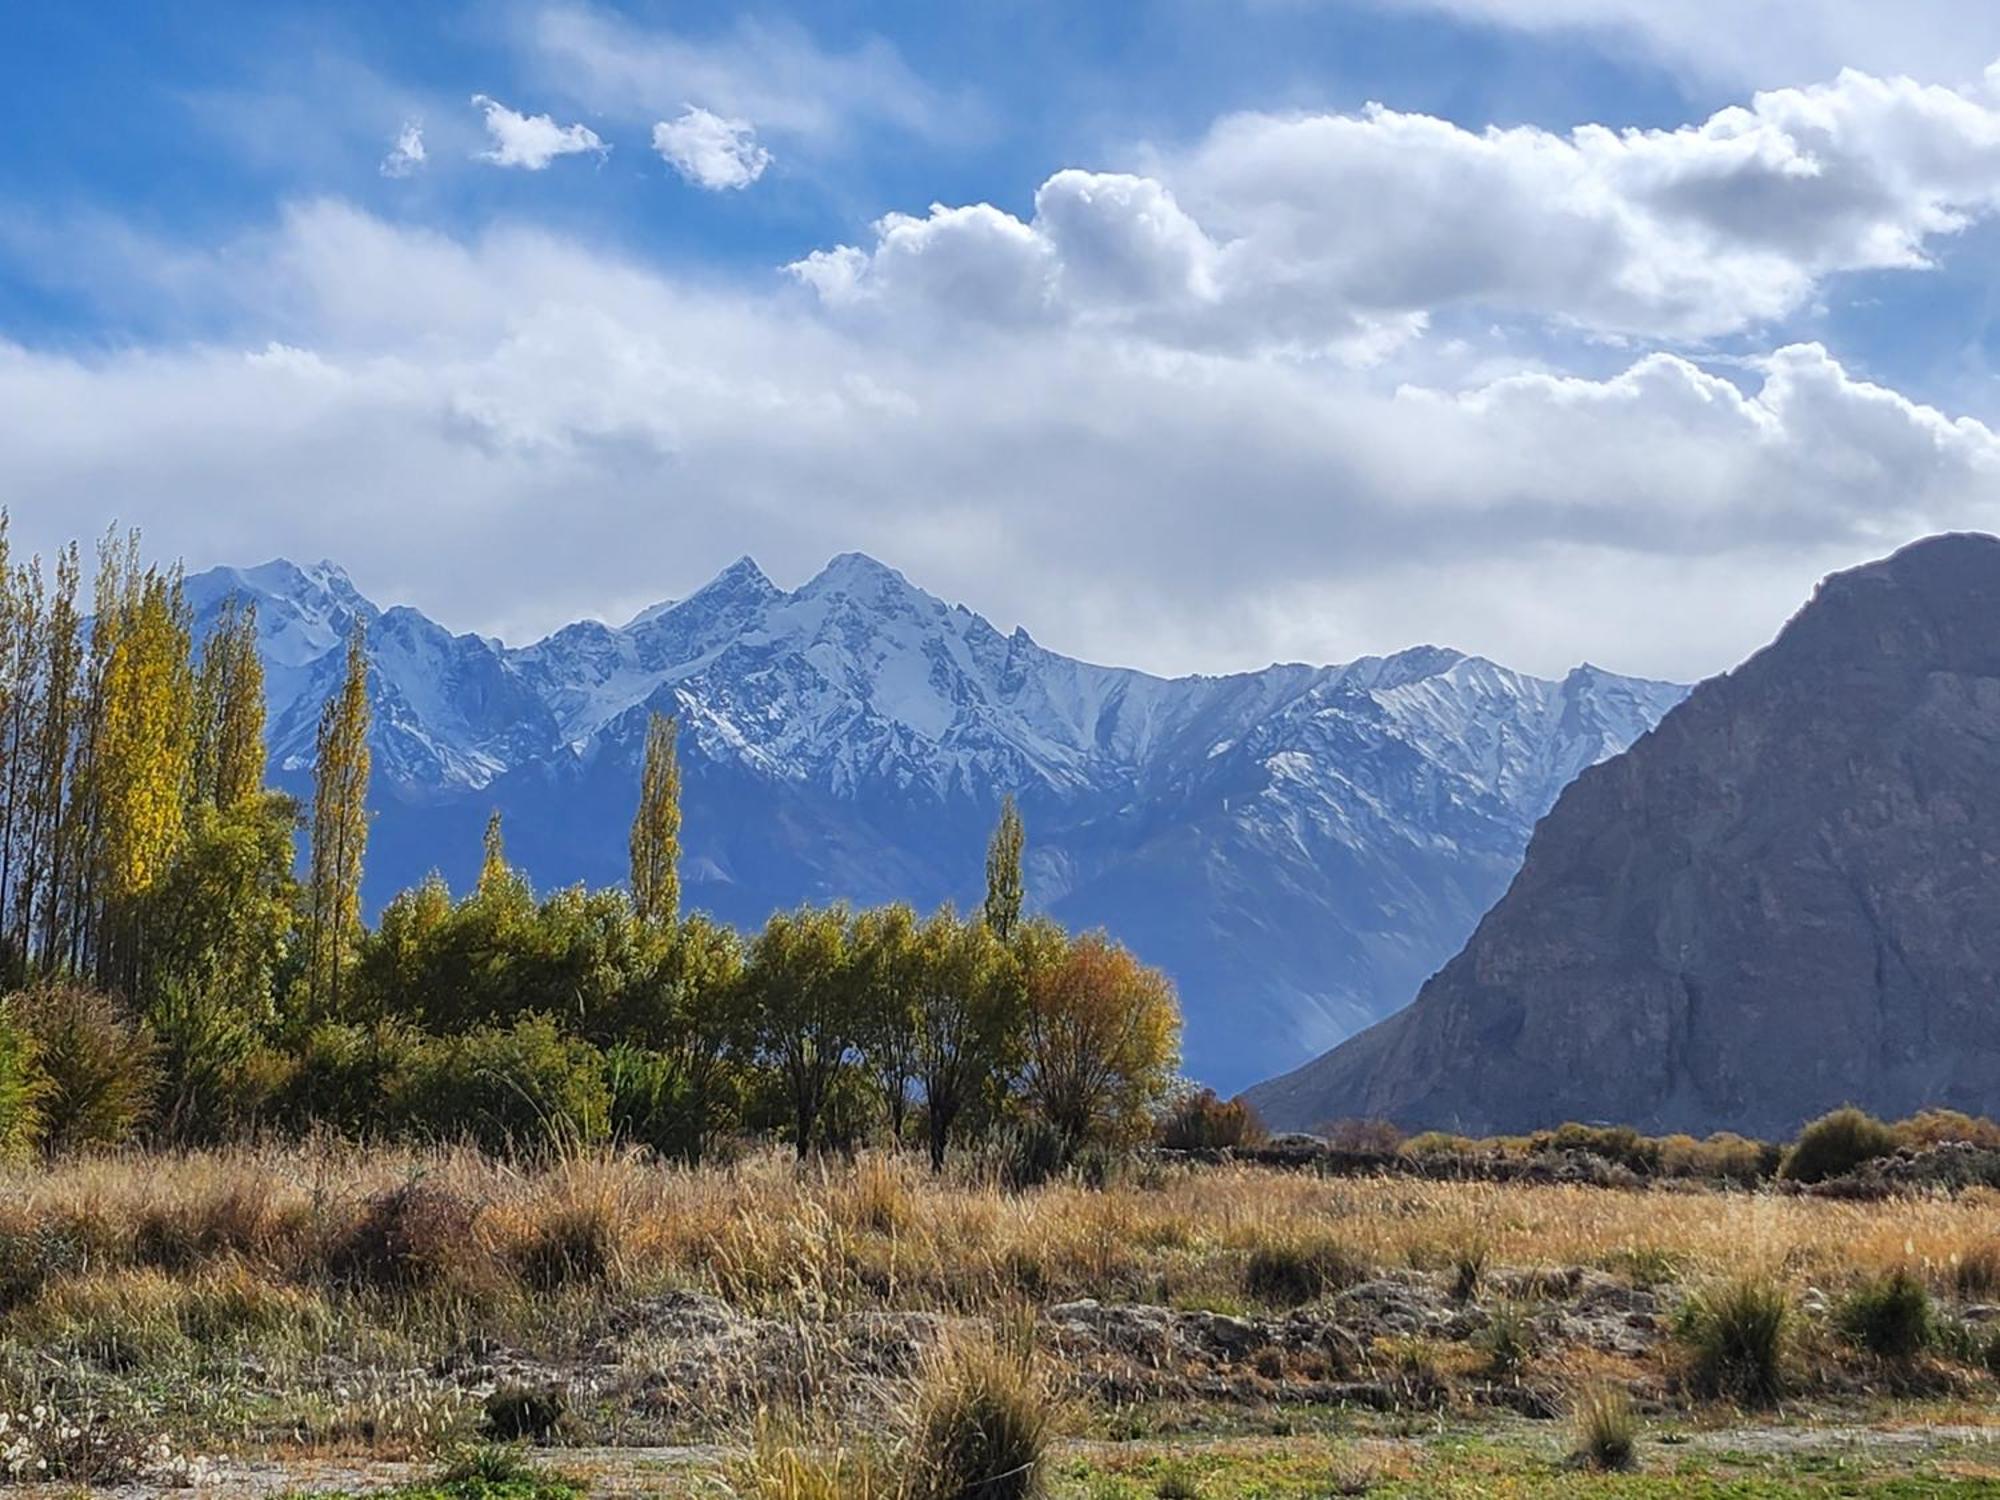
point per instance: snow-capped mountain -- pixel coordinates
(1300, 847)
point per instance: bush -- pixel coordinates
(1976, 1273)
(1835, 1144)
(20, 1086)
(1203, 1121)
(1508, 1339)
(1029, 1153)
(524, 1414)
(1374, 1137)
(1607, 1430)
(1890, 1316)
(1736, 1335)
(574, 1244)
(1290, 1274)
(95, 1066)
(526, 1088)
(1938, 1127)
(207, 1087)
(1614, 1143)
(343, 1078)
(980, 1426)
(653, 1104)
(412, 1236)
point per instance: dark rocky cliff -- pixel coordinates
(1784, 898)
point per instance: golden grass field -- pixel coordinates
(308, 1303)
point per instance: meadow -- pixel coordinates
(321, 1314)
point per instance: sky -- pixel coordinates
(1190, 335)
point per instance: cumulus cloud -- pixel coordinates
(406, 156)
(514, 429)
(531, 141)
(710, 151)
(1307, 231)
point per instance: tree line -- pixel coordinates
(176, 970)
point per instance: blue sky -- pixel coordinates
(1552, 329)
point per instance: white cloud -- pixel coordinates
(406, 156)
(710, 151)
(1307, 231)
(515, 429)
(1795, 41)
(772, 72)
(531, 141)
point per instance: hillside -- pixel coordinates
(1779, 901)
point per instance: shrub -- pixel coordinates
(344, 1078)
(1508, 1339)
(1607, 1430)
(524, 1414)
(1937, 1127)
(573, 1244)
(1468, 1265)
(1177, 1482)
(20, 1086)
(1375, 1137)
(980, 1426)
(1977, 1271)
(1440, 1143)
(1201, 1120)
(207, 1089)
(1292, 1273)
(1614, 1143)
(412, 1236)
(1030, 1153)
(1890, 1316)
(653, 1103)
(1835, 1144)
(95, 1065)
(1735, 1333)
(526, 1088)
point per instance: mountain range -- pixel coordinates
(1779, 901)
(1299, 847)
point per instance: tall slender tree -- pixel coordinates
(229, 711)
(493, 869)
(47, 896)
(339, 829)
(656, 828)
(144, 761)
(1004, 889)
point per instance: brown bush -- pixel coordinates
(415, 1235)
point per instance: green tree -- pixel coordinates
(886, 955)
(1004, 888)
(220, 918)
(339, 831)
(803, 1012)
(229, 711)
(682, 1025)
(656, 828)
(968, 1011)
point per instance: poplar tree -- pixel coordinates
(1003, 872)
(229, 710)
(656, 828)
(493, 869)
(143, 768)
(339, 829)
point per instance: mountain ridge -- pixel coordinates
(1299, 845)
(1774, 903)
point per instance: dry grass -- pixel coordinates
(842, 1236)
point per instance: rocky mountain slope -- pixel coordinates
(1782, 899)
(1299, 846)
